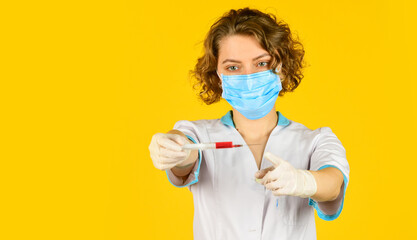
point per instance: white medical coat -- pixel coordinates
(230, 204)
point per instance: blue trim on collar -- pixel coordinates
(228, 120)
(283, 121)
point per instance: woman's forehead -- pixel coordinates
(241, 48)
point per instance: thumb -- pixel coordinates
(261, 173)
(179, 139)
(275, 160)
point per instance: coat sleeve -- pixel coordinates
(329, 152)
(190, 130)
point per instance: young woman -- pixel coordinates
(250, 59)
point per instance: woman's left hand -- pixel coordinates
(283, 179)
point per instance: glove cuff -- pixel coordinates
(309, 184)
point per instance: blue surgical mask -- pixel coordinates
(253, 95)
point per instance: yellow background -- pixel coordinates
(85, 84)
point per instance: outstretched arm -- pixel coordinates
(329, 183)
(184, 170)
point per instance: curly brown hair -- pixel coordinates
(274, 36)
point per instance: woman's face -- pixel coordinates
(242, 55)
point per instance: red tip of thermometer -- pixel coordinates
(227, 145)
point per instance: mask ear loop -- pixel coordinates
(220, 82)
(279, 71)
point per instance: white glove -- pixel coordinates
(166, 151)
(284, 179)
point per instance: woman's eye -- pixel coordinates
(266, 63)
(231, 67)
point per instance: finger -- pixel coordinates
(261, 173)
(281, 192)
(179, 139)
(153, 146)
(162, 161)
(158, 164)
(263, 179)
(173, 154)
(272, 185)
(269, 177)
(275, 160)
(169, 144)
(169, 160)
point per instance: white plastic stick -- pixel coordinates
(199, 146)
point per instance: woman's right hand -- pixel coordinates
(166, 151)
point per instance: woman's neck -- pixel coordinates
(255, 129)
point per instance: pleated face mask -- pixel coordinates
(253, 95)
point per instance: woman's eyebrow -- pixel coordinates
(232, 60)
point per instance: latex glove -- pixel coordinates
(166, 151)
(283, 179)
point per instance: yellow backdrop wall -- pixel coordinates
(85, 84)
